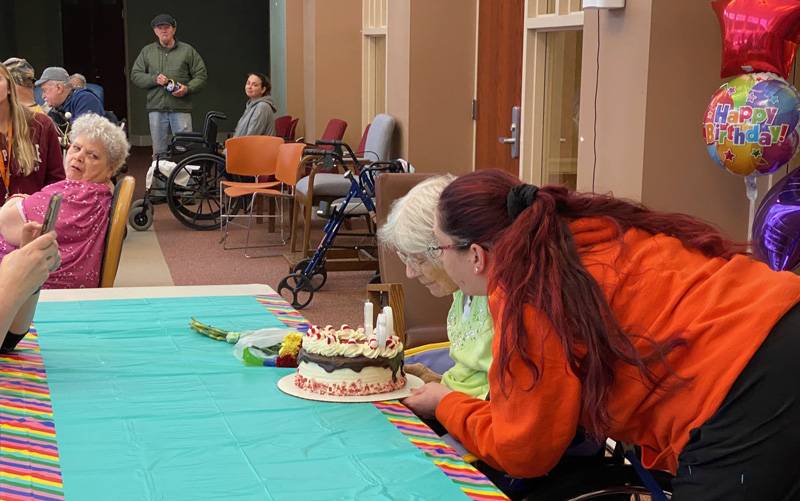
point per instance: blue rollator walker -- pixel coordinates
(310, 275)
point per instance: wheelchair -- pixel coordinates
(191, 189)
(614, 473)
(309, 275)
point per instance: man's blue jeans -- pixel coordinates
(164, 123)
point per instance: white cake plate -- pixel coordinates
(286, 385)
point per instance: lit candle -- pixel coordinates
(368, 319)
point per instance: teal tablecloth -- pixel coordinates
(146, 409)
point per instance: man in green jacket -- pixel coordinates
(171, 71)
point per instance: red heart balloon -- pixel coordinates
(758, 35)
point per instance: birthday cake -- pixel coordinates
(349, 362)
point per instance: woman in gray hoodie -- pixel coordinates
(259, 112)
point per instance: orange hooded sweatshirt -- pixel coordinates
(723, 309)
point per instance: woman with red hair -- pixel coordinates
(646, 327)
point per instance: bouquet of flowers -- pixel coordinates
(265, 347)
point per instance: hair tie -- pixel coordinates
(520, 198)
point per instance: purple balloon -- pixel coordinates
(776, 229)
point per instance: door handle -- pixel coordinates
(513, 140)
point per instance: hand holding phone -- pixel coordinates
(51, 216)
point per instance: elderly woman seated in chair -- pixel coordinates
(98, 150)
(409, 231)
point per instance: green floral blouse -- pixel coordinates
(469, 327)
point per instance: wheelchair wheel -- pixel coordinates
(297, 290)
(318, 277)
(193, 191)
(139, 217)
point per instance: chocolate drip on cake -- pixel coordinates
(330, 364)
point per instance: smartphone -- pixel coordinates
(51, 216)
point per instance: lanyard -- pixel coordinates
(5, 172)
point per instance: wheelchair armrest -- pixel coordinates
(191, 136)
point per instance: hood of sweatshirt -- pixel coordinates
(265, 99)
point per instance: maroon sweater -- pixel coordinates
(49, 166)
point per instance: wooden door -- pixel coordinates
(501, 27)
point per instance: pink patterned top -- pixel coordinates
(81, 229)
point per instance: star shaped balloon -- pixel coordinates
(758, 35)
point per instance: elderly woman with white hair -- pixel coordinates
(409, 231)
(98, 150)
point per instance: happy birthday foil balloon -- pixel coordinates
(751, 124)
(776, 230)
(758, 35)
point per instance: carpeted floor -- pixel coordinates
(197, 258)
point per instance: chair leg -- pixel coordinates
(307, 228)
(291, 211)
(225, 204)
(280, 204)
(271, 210)
(249, 226)
(295, 216)
(259, 209)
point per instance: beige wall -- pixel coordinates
(659, 66)
(621, 99)
(295, 94)
(398, 53)
(684, 72)
(431, 72)
(337, 67)
(323, 65)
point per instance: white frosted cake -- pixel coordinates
(345, 362)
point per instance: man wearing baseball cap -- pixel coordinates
(23, 75)
(171, 71)
(60, 95)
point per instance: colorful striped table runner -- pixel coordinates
(471, 481)
(29, 462)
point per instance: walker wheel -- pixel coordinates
(297, 290)
(318, 277)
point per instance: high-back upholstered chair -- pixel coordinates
(283, 125)
(377, 147)
(424, 315)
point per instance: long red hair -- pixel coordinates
(541, 267)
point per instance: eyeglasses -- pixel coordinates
(436, 251)
(415, 262)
